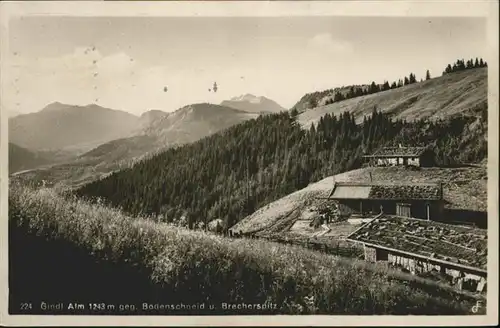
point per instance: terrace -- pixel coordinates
(455, 245)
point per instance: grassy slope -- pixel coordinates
(440, 97)
(94, 245)
(464, 189)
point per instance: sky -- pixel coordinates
(126, 62)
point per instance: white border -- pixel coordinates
(470, 8)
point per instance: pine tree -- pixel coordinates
(449, 69)
(338, 96)
(413, 78)
(427, 75)
(476, 63)
(351, 93)
(460, 65)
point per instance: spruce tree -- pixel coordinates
(412, 79)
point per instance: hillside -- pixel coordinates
(147, 118)
(253, 104)
(321, 98)
(65, 239)
(465, 193)
(61, 126)
(442, 97)
(193, 122)
(22, 159)
(161, 130)
(232, 174)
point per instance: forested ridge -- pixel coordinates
(233, 173)
(330, 96)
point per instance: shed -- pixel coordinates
(402, 156)
(422, 247)
(423, 201)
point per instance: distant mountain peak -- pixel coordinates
(245, 97)
(59, 126)
(153, 113)
(54, 106)
(252, 103)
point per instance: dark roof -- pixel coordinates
(430, 192)
(393, 191)
(456, 245)
(399, 152)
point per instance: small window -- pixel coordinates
(403, 210)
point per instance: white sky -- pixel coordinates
(125, 63)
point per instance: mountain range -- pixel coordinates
(82, 128)
(108, 146)
(115, 139)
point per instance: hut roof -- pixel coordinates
(398, 152)
(456, 245)
(386, 191)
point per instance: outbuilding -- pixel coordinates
(402, 156)
(454, 253)
(423, 201)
